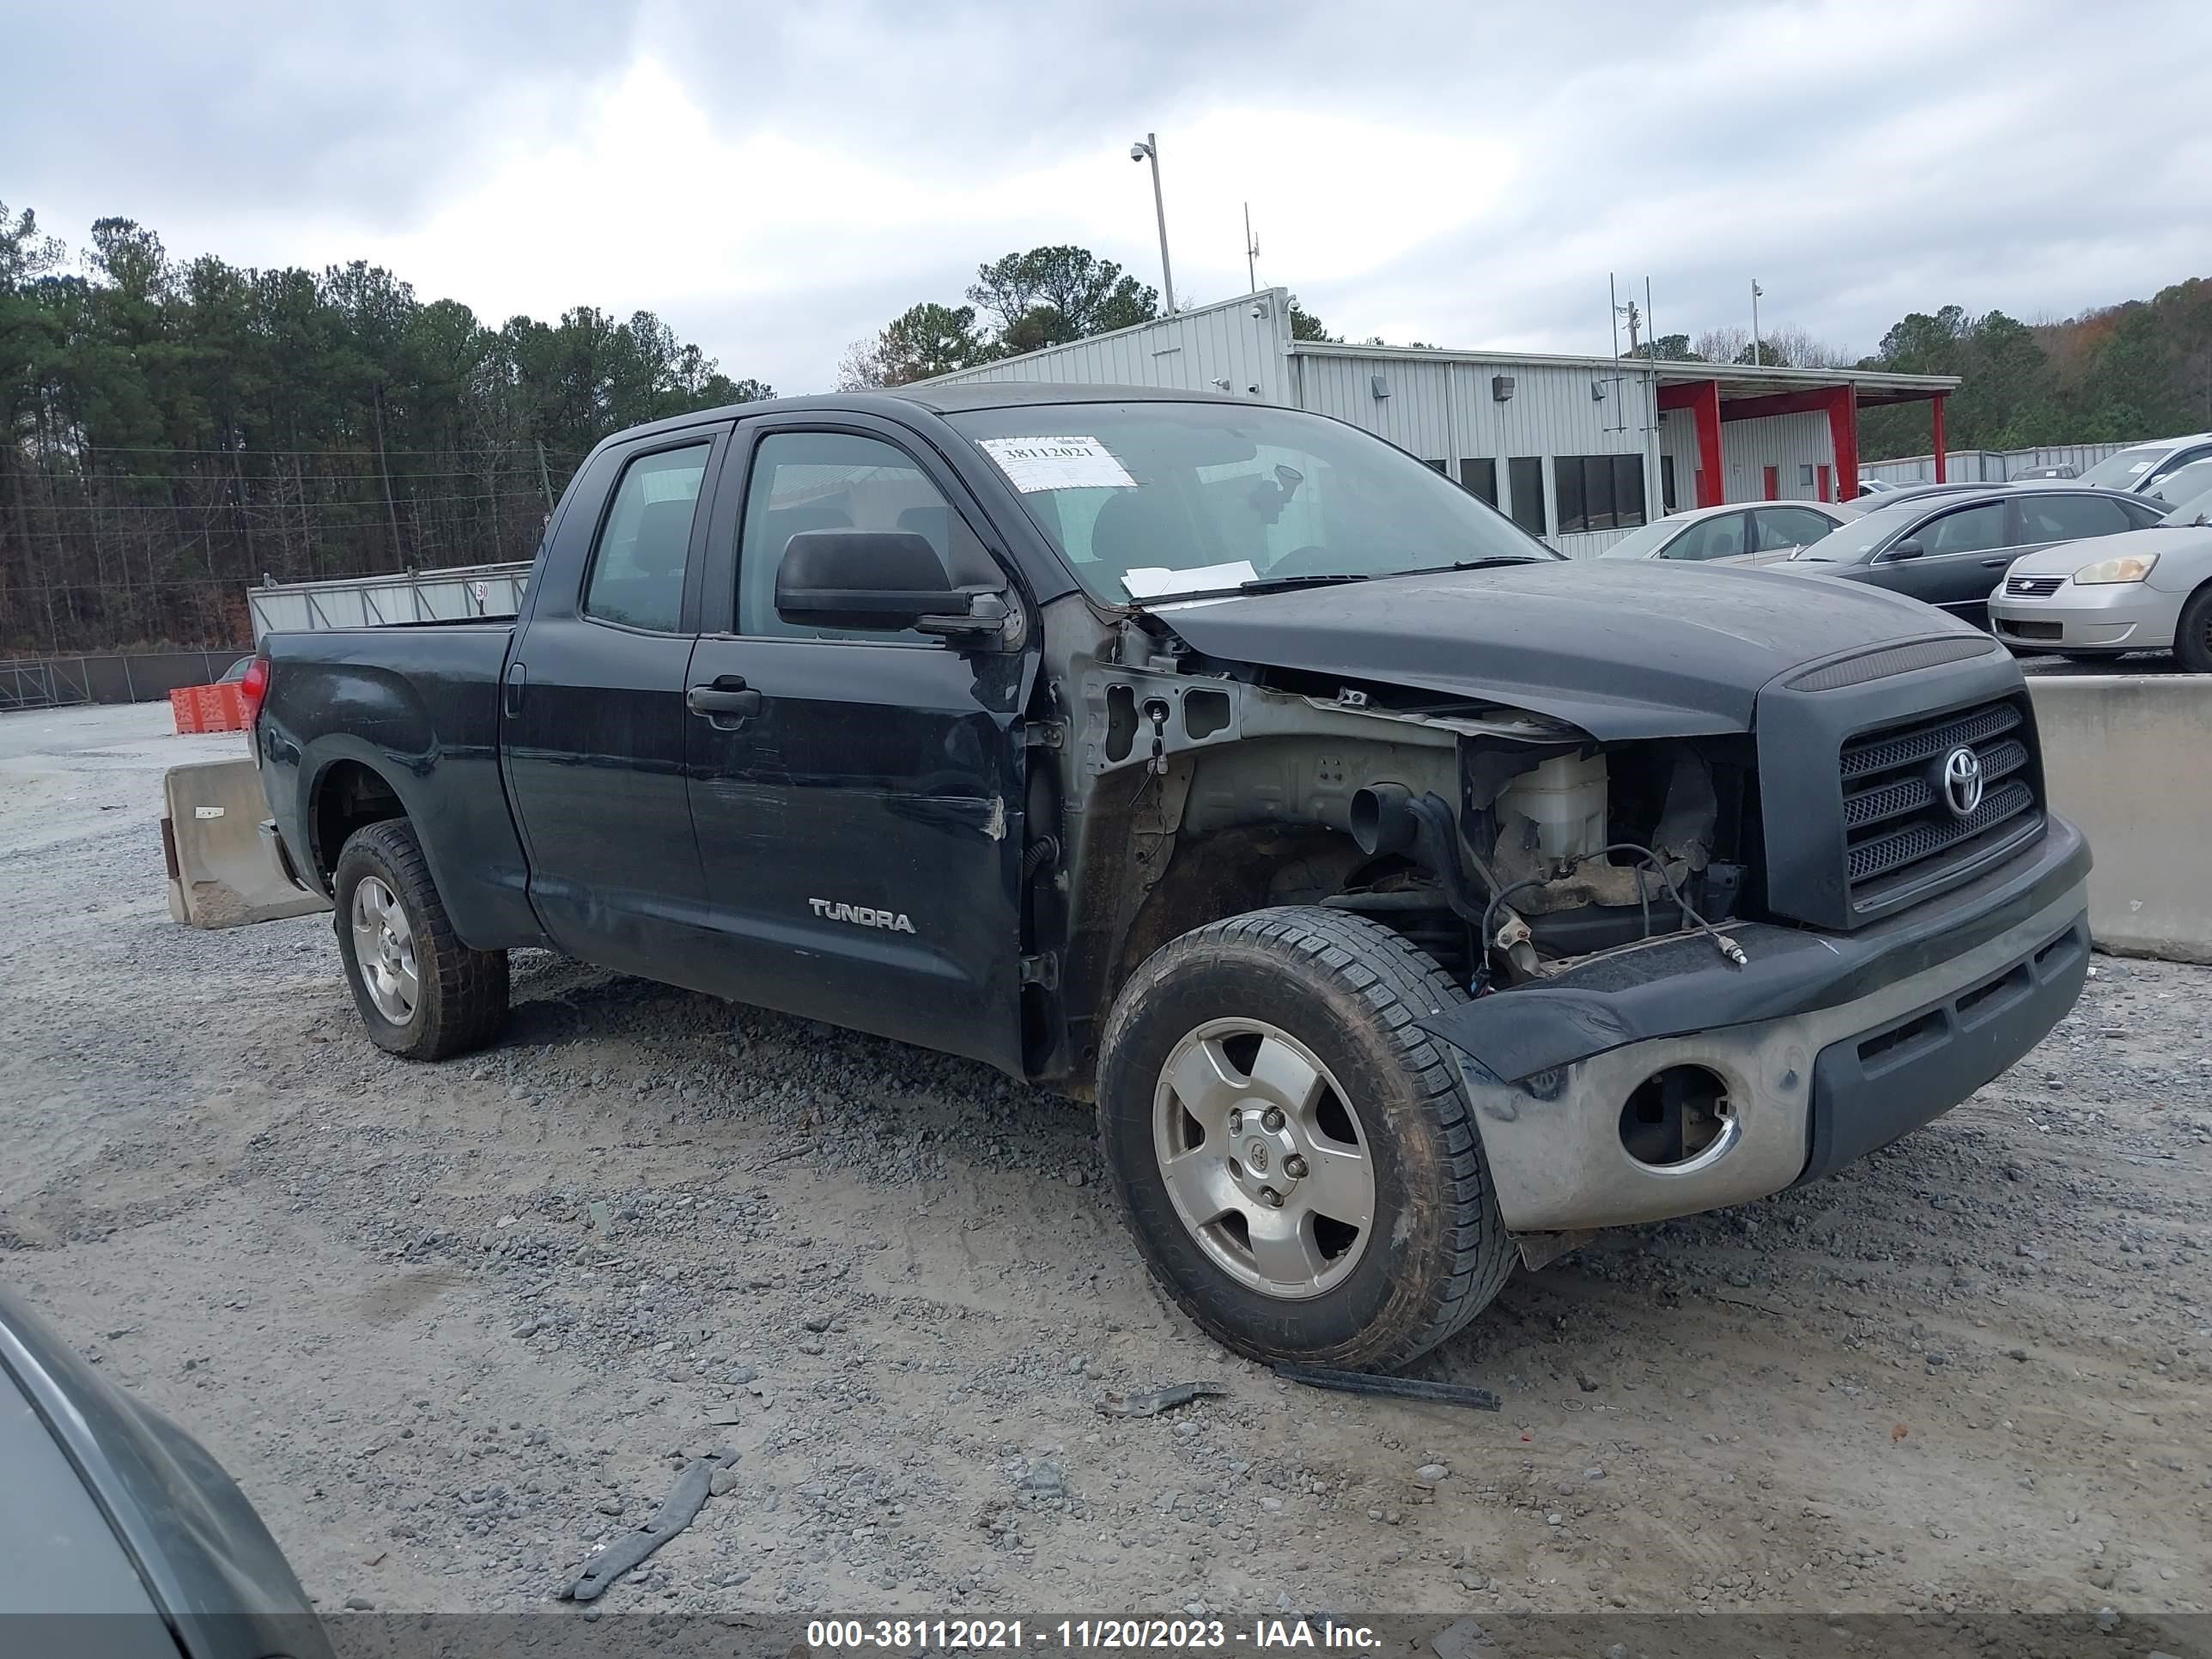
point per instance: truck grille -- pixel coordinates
(1900, 827)
(2033, 587)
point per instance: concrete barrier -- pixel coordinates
(223, 872)
(2128, 757)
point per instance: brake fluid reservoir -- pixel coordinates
(1564, 797)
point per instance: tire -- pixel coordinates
(1340, 995)
(2192, 634)
(458, 999)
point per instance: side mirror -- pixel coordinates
(1907, 549)
(879, 580)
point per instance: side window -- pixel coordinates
(1718, 538)
(2071, 518)
(1524, 475)
(637, 569)
(1970, 530)
(805, 481)
(1781, 527)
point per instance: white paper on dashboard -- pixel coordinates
(1154, 580)
(1061, 463)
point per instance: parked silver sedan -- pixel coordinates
(2145, 590)
(1739, 532)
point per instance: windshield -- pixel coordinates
(2184, 484)
(2197, 510)
(1150, 500)
(1646, 542)
(1853, 542)
(2126, 469)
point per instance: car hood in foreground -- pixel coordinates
(1633, 649)
(2173, 545)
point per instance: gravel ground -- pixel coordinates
(451, 1327)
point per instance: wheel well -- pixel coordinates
(1244, 867)
(348, 797)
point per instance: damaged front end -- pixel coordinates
(1699, 965)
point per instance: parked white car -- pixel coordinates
(2142, 590)
(1744, 533)
(2141, 467)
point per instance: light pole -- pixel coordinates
(1148, 149)
(1758, 356)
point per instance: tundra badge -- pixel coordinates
(862, 915)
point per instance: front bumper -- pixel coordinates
(2103, 617)
(1824, 1047)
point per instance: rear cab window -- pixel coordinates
(637, 566)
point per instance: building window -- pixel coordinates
(1805, 474)
(1666, 483)
(1524, 475)
(1479, 478)
(1443, 467)
(1598, 492)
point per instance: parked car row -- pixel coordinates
(1950, 550)
(2143, 468)
(2013, 557)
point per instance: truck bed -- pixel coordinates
(419, 704)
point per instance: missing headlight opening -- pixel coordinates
(1675, 1117)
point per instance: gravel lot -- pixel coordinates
(451, 1327)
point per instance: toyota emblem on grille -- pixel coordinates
(1962, 782)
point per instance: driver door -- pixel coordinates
(1963, 554)
(859, 810)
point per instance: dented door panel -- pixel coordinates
(862, 835)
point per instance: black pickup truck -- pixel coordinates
(1410, 900)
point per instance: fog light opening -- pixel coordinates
(1676, 1116)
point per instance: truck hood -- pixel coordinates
(1637, 648)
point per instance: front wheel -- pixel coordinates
(422, 993)
(2192, 634)
(1296, 1157)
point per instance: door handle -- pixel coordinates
(729, 695)
(516, 679)
(1997, 564)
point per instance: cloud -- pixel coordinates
(778, 181)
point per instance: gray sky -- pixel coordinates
(777, 181)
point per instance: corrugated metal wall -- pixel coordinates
(1987, 465)
(1796, 446)
(1448, 410)
(1193, 351)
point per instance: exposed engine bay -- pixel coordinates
(1509, 845)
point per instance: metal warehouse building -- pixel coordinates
(1576, 449)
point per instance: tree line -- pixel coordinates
(176, 430)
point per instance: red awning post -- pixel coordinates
(1703, 399)
(1936, 419)
(1712, 480)
(1844, 439)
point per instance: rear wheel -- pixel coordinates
(422, 994)
(1296, 1159)
(2192, 635)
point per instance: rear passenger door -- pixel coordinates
(593, 727)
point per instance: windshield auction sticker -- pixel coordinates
(1071, 463)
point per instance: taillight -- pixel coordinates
(253, 685)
